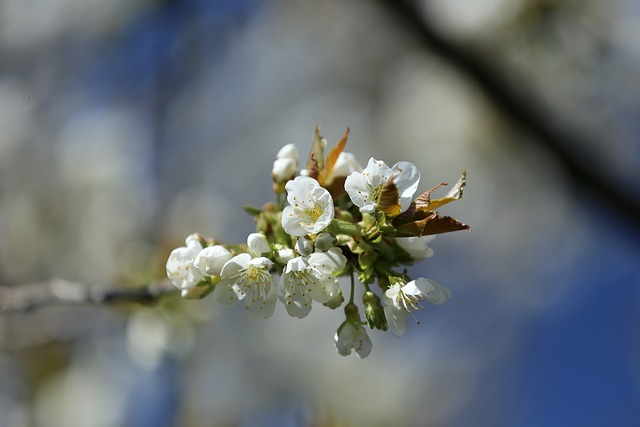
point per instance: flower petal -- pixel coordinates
(407, 182)
(258, 244)
(291, 222)
(331, 261)
(434, 291)
(396, 320)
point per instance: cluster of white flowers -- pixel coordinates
(339, 220)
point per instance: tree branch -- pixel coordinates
(31, 295)
(521, 108)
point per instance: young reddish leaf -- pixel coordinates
(389, 199)
(443, 224)
(315, 161)
(332, 157)
(425, 204)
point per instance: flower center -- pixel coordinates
(254, 282)
(310, 214)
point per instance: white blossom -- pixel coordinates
(181, 270)
(352, 336)
(211, 259)
(285, 165)
(244, 278)
(258, 244)
(289, 151)
(345, 164)
(401, 300)
(417, 246)
(310, 207)
(306, 279)
(364, 187)
(283, 255)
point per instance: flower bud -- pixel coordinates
(198, 291)
(289, 151)
(283, 255)
(210, 260)
(373, 311)
(325, 241)
(258, 244)
(304, 246)
(284, 167)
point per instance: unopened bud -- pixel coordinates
(304, 246)
(325, 241)
(373, 311)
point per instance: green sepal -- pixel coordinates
(338, 226)
(366, 260)
(252, 211)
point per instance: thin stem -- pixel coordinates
(353, 286)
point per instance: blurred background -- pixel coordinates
(125, 126)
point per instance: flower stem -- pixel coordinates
(352, 286)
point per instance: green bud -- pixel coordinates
(373, 311)
(351, 312)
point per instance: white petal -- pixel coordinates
(210, 260)
(195, 292)
(417, 247)
(434, 291)
(284, 255)
(325, 289)
(406, 182)
(376, 172)
(234, 265)
(345, 164)
(299, 188)
(259, 311)
(258, 244)
(362, 346)
(304, 246)
(225, 292)
(324, 242)
(358, 192)
(289, 151)
(391, 295)
(283, 170)
(396, 320)
(291, 222)
(331, 261)
(343, 340)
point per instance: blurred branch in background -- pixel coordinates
(523, 108)
(31, 295)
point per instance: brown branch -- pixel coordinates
(31, 295)
(521, 108)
